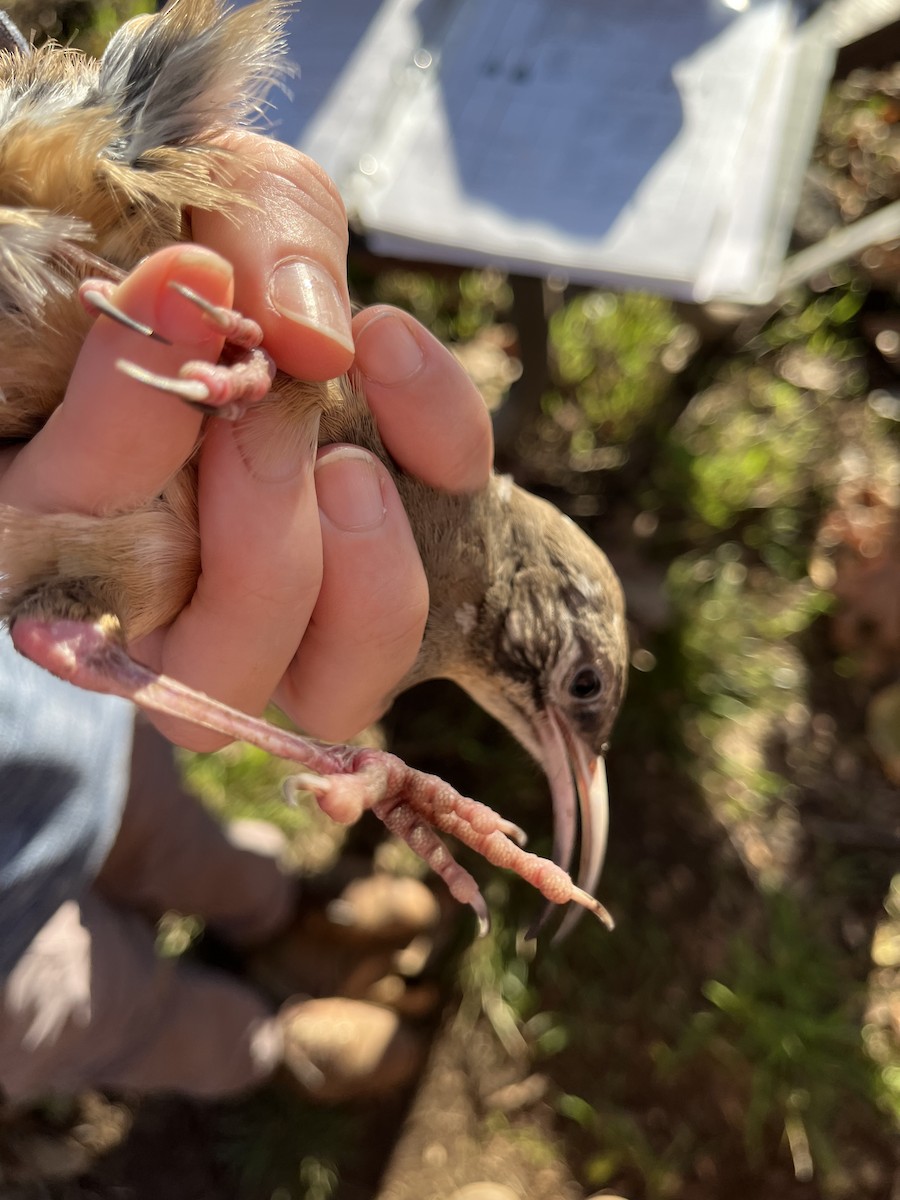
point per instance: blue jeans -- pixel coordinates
(64, 766)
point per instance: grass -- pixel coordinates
(276, 1146)
(787, 1021)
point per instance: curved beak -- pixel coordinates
(577, 778)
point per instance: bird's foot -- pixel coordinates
(412, 805)
(241, 378)
(345, 780)
(415, 806)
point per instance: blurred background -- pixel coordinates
(739, 1034)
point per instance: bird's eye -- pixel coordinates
(585, 684)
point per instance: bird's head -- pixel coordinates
(547, 654)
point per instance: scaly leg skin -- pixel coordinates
(411, 804)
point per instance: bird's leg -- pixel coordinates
(413, 805)
(241, 378)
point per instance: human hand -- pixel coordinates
(311, 584)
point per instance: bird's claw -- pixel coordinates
(238, 330)
(95, 296)
(223, 389)
(241, 378)
(193, 392)
(244, 373)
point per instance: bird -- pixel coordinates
(100, 161)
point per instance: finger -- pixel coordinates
(261, 565)
(290, 260)
(114, 442)
(367, 625)
(429, 413)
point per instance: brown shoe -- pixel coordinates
(389, 909)
(337, 1049)
(344, 945)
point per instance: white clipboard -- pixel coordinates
(655, 144)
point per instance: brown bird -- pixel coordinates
(99, 162)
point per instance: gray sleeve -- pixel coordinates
(64, 765)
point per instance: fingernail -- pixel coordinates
(303, 291)
(348, 488)
(204, 272)
(387, 352)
